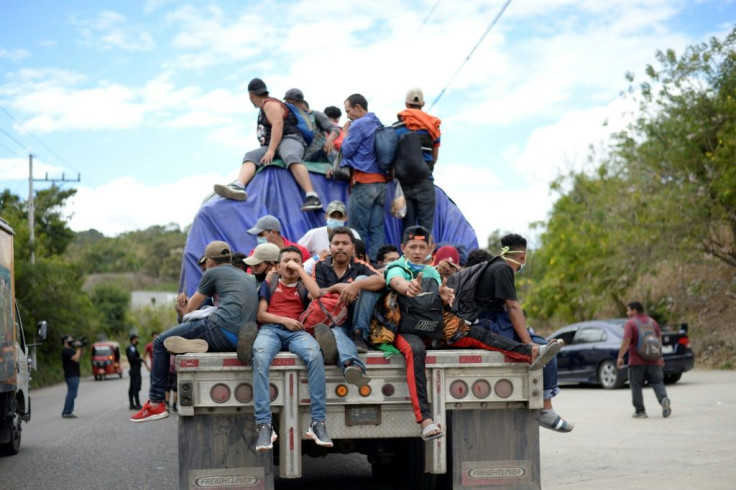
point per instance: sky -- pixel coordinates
(147, 101)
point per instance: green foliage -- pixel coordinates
(113, 302)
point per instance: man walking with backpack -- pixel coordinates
(643, 340)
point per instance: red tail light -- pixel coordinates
(684, 341)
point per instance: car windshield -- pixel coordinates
(102, 351)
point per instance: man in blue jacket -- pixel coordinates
(367, 181)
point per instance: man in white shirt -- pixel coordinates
(317, 240)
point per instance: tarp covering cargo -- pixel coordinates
(274, 191)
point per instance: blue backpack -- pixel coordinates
(385, 147)
(304, 122)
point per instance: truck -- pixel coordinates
(15, 361)
(486, 405)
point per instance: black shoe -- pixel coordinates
(312, 203)
(133, 407)
(318, 433)
(266, 437)
(327, 343)
(246, 338)
(68, 416)
(173, 408)
(359, 342)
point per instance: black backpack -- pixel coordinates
(409, 164)
(422, 314)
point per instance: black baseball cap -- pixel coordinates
(257, 86)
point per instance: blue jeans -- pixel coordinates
(500, 323)
(72, 385)
(270, 340)
(651, 374)
(362, 310)
(197, 329)
(366, 214)
(346, 350)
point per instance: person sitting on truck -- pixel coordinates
(368, 183)
(70, 356)
(280, 328)
(386, 254)
(358, 285)
(218, 332)
(268, 230)
(279, 137)
(405, 276)
(263, 261)
(486, 295)
(317, 240)
(325, 131)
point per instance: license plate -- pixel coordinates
(363, 415)
(668, 349)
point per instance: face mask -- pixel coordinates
(333, 223)
(261, 239)
(260, 277)
(521, 266)
(415, 267)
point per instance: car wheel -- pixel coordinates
(609, 376)
(670, 379)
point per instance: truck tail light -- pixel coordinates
(481, 388)
(220, 393)
(459, 389)
(244, 392)
(341, 391)
(504, 388)
(684, 341)
(365, 390)
(273, 392)
(388, 389)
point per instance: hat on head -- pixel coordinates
(257, 86)
(415, 96)
(337, 207)
(264, 223)
(447, 252)
(133, 336)
(294, 94)
(416, 233)
(217, 250)
(264, 252)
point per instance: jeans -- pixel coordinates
(420, 204)
(346, 350)
(366, 214)
(72, 385)
(270, 340)
(197, 329)
(500, 323)
(651, 374)
(362, 311)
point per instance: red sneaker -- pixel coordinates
(151, 412)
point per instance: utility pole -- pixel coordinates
(31, 210)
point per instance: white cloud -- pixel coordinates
(111, 30)
(14, 55)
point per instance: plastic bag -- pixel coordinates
(398, 205)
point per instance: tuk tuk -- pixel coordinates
(106, 359)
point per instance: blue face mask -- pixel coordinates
(333, 223)
(261, 239)
(415, 267)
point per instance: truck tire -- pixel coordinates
(412, 467)
(609, 376)
(13, 445)
(670, 379)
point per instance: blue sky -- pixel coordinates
(148, 100)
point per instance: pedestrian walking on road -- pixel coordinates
(135, 361)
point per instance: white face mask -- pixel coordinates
(506, 251)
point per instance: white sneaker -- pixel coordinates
(180, 345)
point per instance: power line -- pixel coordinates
(431, 11)
(498, 16)
(11, 137)
(9, 149)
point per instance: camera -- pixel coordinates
(80, 342)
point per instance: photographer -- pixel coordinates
(70, 356)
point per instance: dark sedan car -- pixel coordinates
(591, 349)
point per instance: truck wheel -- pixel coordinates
(13, 445)
(412, 475)
(670, 379)
(609, 376)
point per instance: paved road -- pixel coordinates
(694, 448)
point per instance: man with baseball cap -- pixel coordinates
(325, 131)
(279, 137)
(264, 259)
(317, 240)
(268, 230)
(218, 332)
(420, 196)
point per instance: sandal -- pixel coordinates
(427, 432)
(545, 354)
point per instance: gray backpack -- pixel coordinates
(647, 343)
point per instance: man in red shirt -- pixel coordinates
(640, 369)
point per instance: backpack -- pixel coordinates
(328, 310)
(647, 342)
(409, 164)
(386, 141)
(422, 315)
(304, 122)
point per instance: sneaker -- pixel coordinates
(325, 337)
(318, 433)
(640, 415)
(666, 410)
(355, 376)
(68, 416)
(150, 412)
(312, 203)
(550, 420)
(180, 345)
(266, 437)
(231, 191)
(246, 338)
(359, 342)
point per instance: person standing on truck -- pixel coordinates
(325, 131)
(367, 182)
(279, 137)
(70, 356)
(135, 361)
(278, 314)
(358, 285)
(218, 332)
(420, 197)
(640, 369)
(486, 294)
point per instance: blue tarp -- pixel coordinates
(274, 191)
